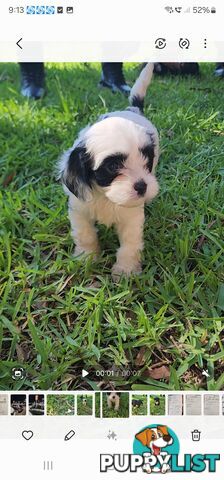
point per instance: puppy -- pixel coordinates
(84, 400)
(136, 403)
(113, 400)
(157, 401)
(109, 174)
(155, 439)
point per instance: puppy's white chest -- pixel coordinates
(105, 212)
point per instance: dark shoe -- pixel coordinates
(113, 78)
(187, 68)
(32, 80)
(219, 71)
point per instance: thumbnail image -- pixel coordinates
(175, 404)
(157, 405)
(94, 301)
(115, 405)
(84, 404)
(36, 404)
(139, 405)
(4, 404)
(211, 404)
(60, 405)
(97, 404)
(18, 405)
(193, 404)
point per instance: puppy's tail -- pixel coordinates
(139, 89)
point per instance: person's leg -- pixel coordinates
(32, 80)
(219, 71)
(113, 78)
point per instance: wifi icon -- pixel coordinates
(169, 9)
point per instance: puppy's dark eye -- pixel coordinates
(109, 169)
(115, 162)
(114, 165)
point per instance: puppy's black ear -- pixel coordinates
(78, 173)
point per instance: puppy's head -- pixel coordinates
(117, 158)
(113, 396)
(155, 438)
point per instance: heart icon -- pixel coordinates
(27, 434)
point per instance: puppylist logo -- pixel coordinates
(156, 449)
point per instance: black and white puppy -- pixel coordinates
(83, 400)
(109, 174)
(113, 400)
(136, 403)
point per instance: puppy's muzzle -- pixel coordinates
(140, 187)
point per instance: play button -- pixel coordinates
(84, 373)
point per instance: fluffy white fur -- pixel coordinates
(113, 401)
(117, 204)
(142, 82)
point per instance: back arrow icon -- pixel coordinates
(18, 43)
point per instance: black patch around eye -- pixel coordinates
(109, 169)
(148, 153)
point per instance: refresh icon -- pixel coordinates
(160, 43)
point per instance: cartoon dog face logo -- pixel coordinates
(155, 439)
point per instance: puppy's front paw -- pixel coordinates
(93, 250)
(120, 270)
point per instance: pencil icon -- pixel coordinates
(69, 435)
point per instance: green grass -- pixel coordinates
(97, 405)
(159, 409)
(82, 408)
(123, 411)
(142, 409)
(59, 314)
(60, 405)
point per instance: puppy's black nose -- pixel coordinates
(167, 438)
(140, 187)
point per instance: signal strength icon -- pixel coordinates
(188, 10)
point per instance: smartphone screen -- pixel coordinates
(111, 245)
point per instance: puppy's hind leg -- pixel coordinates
(83, 233)
(130, 232)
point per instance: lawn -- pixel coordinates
(60, 405)
(157, 405)
(122, 412)
(59, 314)
(97, 405)
(141, 409)
(84, 405)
